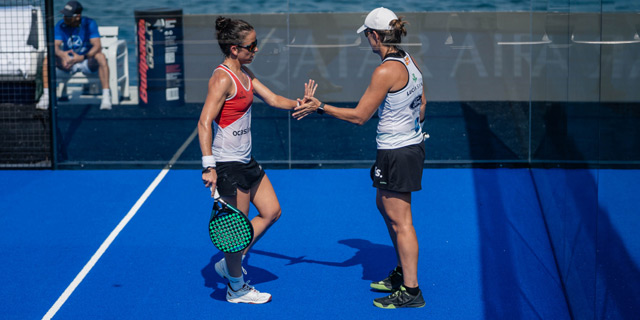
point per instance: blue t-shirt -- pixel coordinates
(77, 39)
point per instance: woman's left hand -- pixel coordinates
(310, 89)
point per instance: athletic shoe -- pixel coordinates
(247, 294)
(43, 103)
(105, 104)
(223, 271)
(390, 283)
(400, 299)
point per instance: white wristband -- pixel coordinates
(208, 161)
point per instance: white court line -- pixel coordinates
(107, 242)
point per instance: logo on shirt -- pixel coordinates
(412, 90)
(75, 43)
(413, 75)
(241, 132)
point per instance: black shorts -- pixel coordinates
(399, 170)
(234, 175)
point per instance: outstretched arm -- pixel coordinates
(366, 108)
(275, 100)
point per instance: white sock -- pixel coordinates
(236, 283)
(45, 94)
(106, 93)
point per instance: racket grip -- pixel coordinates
(216, 195)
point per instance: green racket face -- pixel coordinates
(230, 232)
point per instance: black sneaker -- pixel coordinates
(390, 283)
(400, 299)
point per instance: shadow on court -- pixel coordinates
(376, 260)
(584, 259)
(586, 228)
(519, 276)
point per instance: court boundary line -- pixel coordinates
(115, 232)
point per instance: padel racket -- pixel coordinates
(229, 229)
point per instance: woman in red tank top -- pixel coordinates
(237, 176)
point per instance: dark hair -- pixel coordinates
(393, 36)
(230, 32)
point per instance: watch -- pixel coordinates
(320, 109)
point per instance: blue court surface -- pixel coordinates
(484, 248)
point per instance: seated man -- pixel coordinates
(78, 49)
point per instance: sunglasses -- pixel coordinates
(367, 32)
(252, 47)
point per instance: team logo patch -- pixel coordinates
(75, 43)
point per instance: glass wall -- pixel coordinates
(541, 83)
(537, 83)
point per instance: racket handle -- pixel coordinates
(216, 195)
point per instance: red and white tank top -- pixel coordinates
(232, 126)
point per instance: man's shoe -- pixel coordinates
(400, 299)
(223, 271)
(247, 294)
(390, 283)
(105, 104)
(43, 104)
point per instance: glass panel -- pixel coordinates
(617, 256)
(139, 133)
(582, 113)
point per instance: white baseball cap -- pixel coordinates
(378, 19)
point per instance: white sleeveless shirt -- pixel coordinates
(399, 113)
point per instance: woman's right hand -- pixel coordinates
(307, 107)
(209, 178)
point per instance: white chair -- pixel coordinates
(115, 50)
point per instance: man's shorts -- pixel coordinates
(234, 175)
(399, 170)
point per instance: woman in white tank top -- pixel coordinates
(397, 93)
